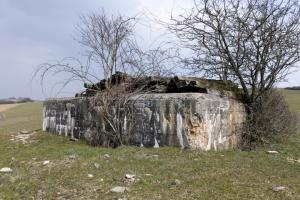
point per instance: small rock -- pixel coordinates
(72, 156)
(273, 152)
(97, 165)
(124, 198)
(129, 178)
(176, 182)
(73, 139)
(106, 156)
(46, 162)
(101, 179)
(148, 174)
(292, 160)
(118, 189)
(90, 175)
(33, 158)
(155, 156)
(6, 170)
(24, 132)
(278, 189)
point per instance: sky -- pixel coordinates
(37, 31)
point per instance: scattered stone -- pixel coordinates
(292, 160)
(73, 139)
(155, 156)
(176, 182)
(90, 175)
(46, 162)
(97, 165)
(273, 152)
(130, 178)
(148, 174)
(118, 189)
(22, 137)
(33, 158)
(24, 132)
(106, 156)
(72, 156)
(124, 198)
(278, 188)
(101, 179)
(6, 170)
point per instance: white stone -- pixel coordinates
(278, 188)
(106, 156)
(90, 175)
(24, 132)
(97, 165)
(130, 176)
(72, 156)
(122, 198)
(6, 170)
(118, 189)
(46, 162)
(176, 182)
(273, 152)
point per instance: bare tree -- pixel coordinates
(111, 47)
(110, 42)
(254, 43)
(113, 53)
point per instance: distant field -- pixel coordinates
(4, 107)
(201, 175)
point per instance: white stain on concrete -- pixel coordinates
(125, 125)
(179, 124)
(156, 145)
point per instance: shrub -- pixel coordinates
(269, 120)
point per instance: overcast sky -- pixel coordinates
(37, 31)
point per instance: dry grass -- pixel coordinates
(4, 107)
(203, 175)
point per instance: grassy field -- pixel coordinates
(201, 175)
(4, 107)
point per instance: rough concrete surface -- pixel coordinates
(187, 120)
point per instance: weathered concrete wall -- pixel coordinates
(188, 120)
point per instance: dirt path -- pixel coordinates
(4, 107)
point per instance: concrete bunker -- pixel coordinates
(184, 112)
